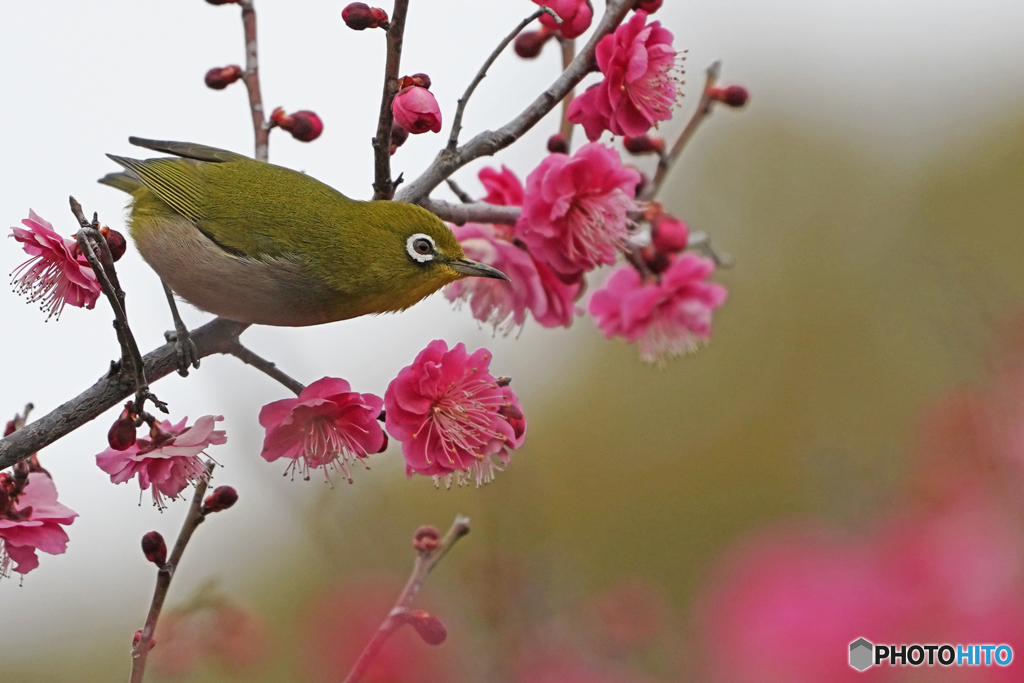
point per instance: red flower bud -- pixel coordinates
(557, 144)
(221, 499)
(137, 638)
(649, 6)
(416, 110)
(121, 435)
(154, 548)
(359, 16)
(10, 429)
(398, 137)
(426, 539)
(529, 43)
(115, 241)
(431, 629)
(732, 96)
(303, 125)
(669, 234)
(644, 144)
(220, 78)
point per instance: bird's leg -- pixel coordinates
(184, 348)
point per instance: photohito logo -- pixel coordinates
(865, 654)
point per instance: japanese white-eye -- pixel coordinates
(259, 243)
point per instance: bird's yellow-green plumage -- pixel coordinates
(264, 244)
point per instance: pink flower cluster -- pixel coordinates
(30, 520)
(576, 16)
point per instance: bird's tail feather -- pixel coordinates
(121, 181)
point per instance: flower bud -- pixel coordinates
(732, 96)
(644, 144)
(557, 144)
(421, 80)
(398, 137)
(220, 78)
(303, 125)
(221, 499)
(426, 539)
(416, 110)
(115, 241)
(669, 234)
(10, 429)
(121, 435)
(529, 43)
(359, 16)
(649, 6)
(137, 638)
(154, 548)
(431, 629)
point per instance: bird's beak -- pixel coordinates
(475, 269)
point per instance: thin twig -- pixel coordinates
(266, 367)
(96, 250)
(704, 108)
(164, 575)
(425, 563)
(463, 196)
(453, 139)
(490, 142)
(474, 212)
(383, 186)
(251, 78)
(568, 54)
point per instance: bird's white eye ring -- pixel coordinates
(420, 247)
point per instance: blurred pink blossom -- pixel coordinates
(56, 274)
(220, 632)
(416, 110)
(666, 317)
(575, 211)
(168, 460)
(328, 425)
(576, 16)
(452, 416)
(503, 187)
(31, 521)
(639, 88)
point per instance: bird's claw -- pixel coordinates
(185, 352)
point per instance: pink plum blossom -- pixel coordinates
(666, 317)
(31, 521)
(575, 211)
(452, 416)
(576, 16)
(639, 88)
(168, 460)
(532, 287)
(56, 274)
(328, 425)
(503, 187)
(416, 110)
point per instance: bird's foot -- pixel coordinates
(185, 352)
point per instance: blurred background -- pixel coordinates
(843, 460)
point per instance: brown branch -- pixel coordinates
(164, 575)
(453, 139)
(266, 367)
(568, 54)
(251, 78)
(489, 142)
(474, 212)
(216, 336)
(425, 563)
(383, 185)
(704, 108)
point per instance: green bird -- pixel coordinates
(263, 244)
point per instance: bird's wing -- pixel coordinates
(174, 181)
(188, 150)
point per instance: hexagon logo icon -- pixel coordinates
(860, 654)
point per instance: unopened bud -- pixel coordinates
(359, 16)
(221, 499)
(649, 6)
(644, 144)
(529, 43)
(431, 629)
(137, 638)
(557, 144)
(220, 78)
(303, 125)
(115, 241)
(426, 539)
(121, 435)
(732, 96)
(398, 137)
(669, 234)
(154, 548)
(11, 427)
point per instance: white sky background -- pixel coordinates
(78, 77)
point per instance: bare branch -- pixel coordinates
(383, 186)
(568, 46)
(425, 563)
(266, 367)
(251, 78)
(463, 196)
(453, 139)
(474, 212)
(490, 142)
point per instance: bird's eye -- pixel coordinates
(420, 247)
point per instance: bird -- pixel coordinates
(263, 244)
